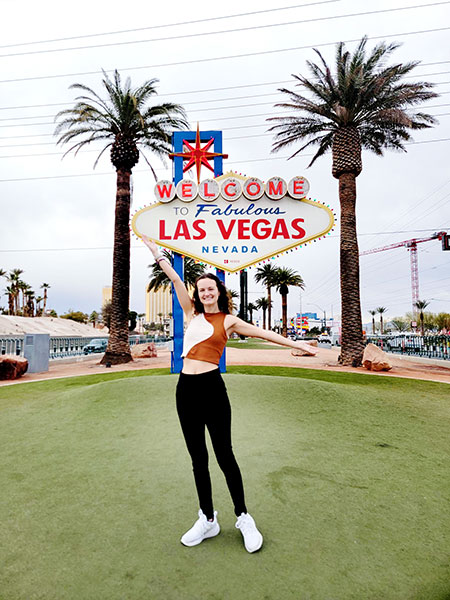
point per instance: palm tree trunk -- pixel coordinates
(264, 318)
(284, 313)
(269, 308)
(352, 347)
(118, 350)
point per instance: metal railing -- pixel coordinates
(428, 346)
(12, 344)
(66, 347)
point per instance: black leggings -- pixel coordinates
(202, 400)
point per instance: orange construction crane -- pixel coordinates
(411, 245)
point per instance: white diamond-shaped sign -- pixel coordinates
(232, 235)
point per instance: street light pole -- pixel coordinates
(324, 314)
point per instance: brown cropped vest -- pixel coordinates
(205, 337)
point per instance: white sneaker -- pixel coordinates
(201, 530)
(252, 537)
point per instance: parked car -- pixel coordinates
(95, 345)
(295, 336)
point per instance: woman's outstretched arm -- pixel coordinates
(180, 288)
(239, 326)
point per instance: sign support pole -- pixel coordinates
(176, 362)
(178, 319)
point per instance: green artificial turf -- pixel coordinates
(346, 475)
(253, 344)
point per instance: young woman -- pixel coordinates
(202, 399)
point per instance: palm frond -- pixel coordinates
(151, 168)
(192, 270)
(363, 92)
(122, 114)
(100, 155)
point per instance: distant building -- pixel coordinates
(310, 315)
(106, 295)
(156, 303)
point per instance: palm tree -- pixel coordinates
(45, 287)
(93, 318)
(233, 295)
(443, 322)
(381, 310)
(251, 307)
(421, 305)
(125, 122)
(265, 275)
(400, 324)
(38, 305)
(28, 308)
(365, 104)
(284, 278)
(11, 294)
(373, 313)
(25, 289)
(3, 273)
(15, 281)
(263, 304)
(192, 270)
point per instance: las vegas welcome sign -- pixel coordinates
(232, 221)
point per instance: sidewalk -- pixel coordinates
(403, 366)
(327, 359)
(421, 359)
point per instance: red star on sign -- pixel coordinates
(196, 155)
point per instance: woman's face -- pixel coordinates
(208, 292)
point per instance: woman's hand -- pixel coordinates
(151, 246)
(307, 347)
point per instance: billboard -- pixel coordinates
(232, 221)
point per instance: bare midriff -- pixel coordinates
(195, 367)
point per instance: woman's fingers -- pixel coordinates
(308, 348)
(150, 244)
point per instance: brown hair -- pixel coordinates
(224, 301)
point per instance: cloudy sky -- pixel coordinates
(224, 63)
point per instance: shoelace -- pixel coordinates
(246, 526)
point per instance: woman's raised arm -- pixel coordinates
(180, 289)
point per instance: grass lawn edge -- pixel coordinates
(337, 377)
